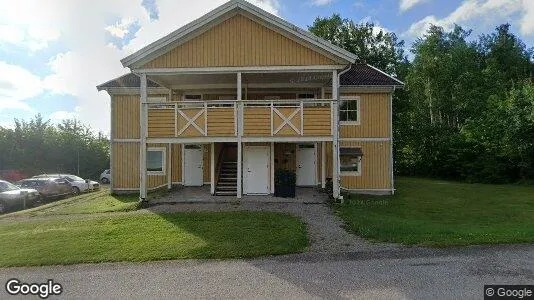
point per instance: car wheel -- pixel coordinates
(3, 208)
(105, 180)
(75, 190)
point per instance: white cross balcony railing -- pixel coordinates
(255, 118)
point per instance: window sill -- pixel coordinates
(350, 173)
(155, 173)
(349, 123)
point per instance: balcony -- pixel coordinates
(258, 118)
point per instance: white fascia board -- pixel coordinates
(377, 69)
(135, 91)
(156, 47)
(253, 69)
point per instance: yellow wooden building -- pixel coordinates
(239, 93)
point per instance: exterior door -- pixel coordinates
(256, 170)
(193, 165)
(306, 165)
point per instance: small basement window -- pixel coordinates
(155, 161)
(350, 161)
(349, 111)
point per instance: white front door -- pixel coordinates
(306, 165)
(193, 165)
(256, 170)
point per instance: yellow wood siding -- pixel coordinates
(221, 122)
(285, 156)
(125, 119)
(376, 173)
(176, 163)
(374, 117)
(161, 123)
(317, 121)
(238, 42)
(257, 121)
(125, 169)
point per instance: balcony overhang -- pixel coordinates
(282, 79)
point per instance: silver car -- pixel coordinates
(13, 197)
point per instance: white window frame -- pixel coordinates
(351, 173)
(351, 98)
(163, 163)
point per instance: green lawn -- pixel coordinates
(440, 214)
(62, 239)
(96, 202)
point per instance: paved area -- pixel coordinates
(325, 229)
(202, 195)
(393, 274)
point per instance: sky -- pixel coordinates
(53, 53)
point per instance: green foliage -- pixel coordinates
(376, 47)
(37, 147)
(466, 111)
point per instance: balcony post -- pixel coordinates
(143, 111)
(239, 137)
(335, 143)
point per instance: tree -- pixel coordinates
(36, 147)
(371, 44)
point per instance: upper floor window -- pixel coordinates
(349, 110)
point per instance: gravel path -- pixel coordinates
(324, 228)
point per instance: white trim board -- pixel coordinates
(223, 12)
(244, 70)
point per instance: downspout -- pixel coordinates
(336, 132)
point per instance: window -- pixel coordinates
(155, 161)
(349, 111)
(350, 161)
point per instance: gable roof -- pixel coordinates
(129, 80)
(218, 15)
(366, 75)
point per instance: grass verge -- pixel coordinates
(441, 214)
(147, 236)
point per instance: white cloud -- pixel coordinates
(527, 22)
(480, 12)
(16, 85)
(405, 5)
(121, 28)
(61, 115)
(83, 27)
(321, 2)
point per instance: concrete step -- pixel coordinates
(226, 188)
(227, 183)
(227, 193)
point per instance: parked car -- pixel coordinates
(48, 187)
(79, 185)
(11, 196)
(105, 177)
